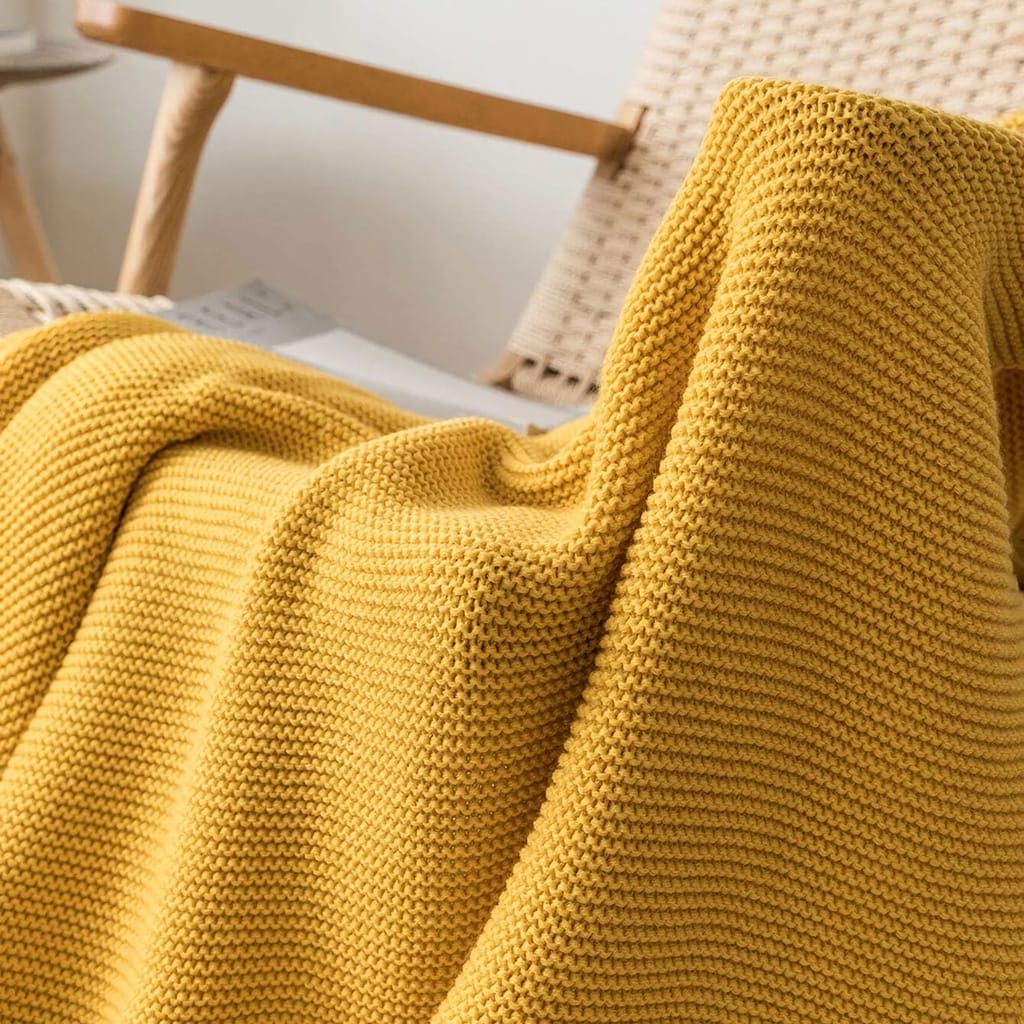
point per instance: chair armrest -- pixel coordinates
(246, 56)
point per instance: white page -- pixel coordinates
(261, 315)
(252, 312)
(418, 386)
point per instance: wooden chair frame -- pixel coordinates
(206, 62)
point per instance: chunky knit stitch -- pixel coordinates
(706, 708)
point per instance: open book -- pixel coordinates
(261, 315)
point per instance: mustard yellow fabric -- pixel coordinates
(706, 708)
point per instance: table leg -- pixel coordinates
(19, 220)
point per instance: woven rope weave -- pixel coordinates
(965, 56)
(705, 709)
(23, 303)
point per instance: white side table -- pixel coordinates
(19, 216)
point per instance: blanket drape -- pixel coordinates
(705, 708)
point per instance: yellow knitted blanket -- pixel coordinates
(706, 708)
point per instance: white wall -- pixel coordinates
(427, 238)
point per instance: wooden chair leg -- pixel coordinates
(191, 101)
(19, 219)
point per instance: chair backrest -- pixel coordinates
(963, 56)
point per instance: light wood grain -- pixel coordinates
(19, 218)
(629, 116)
(248, 57)
(501, 371)
(191, 100)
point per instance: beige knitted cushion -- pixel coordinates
(964, 56)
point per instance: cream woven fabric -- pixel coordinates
(23, 303)
(964, 56)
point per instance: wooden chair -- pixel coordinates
(966, 56)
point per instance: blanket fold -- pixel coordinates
(708, 707)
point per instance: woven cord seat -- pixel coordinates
(963, 56)
(25, 303)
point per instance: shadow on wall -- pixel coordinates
(430, 263)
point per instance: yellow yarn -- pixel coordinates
(706, 708)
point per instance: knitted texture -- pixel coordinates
(706, 708)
